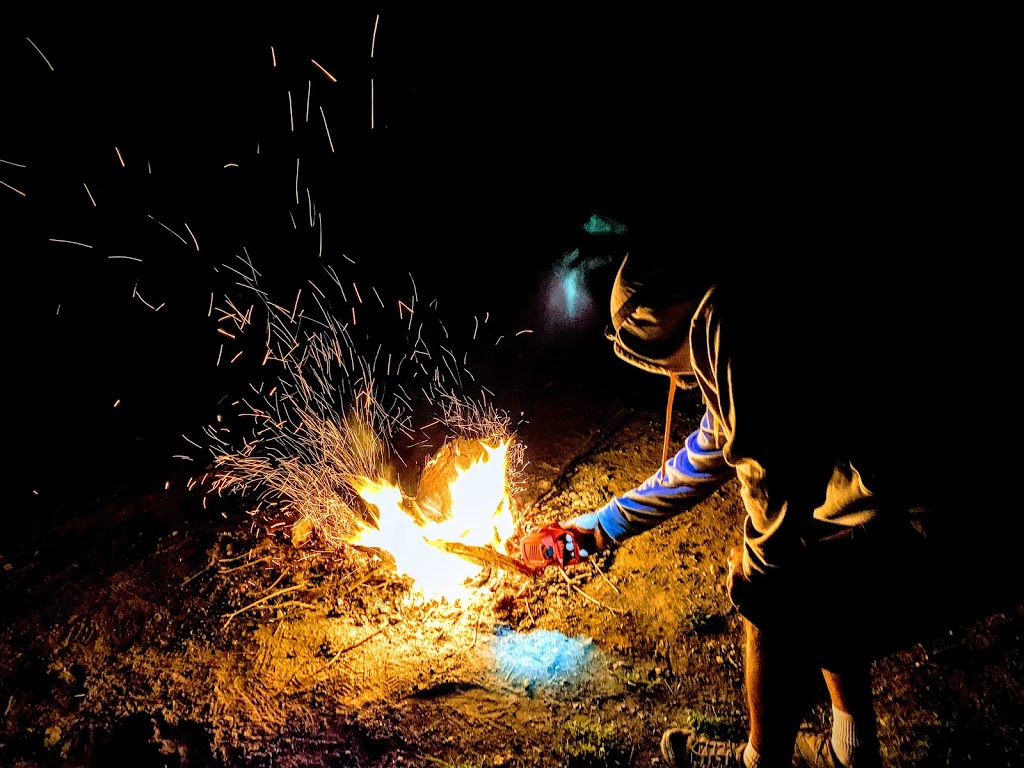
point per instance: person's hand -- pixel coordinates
(587, 533)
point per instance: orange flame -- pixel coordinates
(480, 515)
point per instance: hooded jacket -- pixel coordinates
(824, 397)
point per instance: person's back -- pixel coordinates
(881, 370)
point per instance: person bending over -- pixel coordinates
(836, 397)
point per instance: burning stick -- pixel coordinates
(482, 555)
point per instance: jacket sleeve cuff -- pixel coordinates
(612, 522)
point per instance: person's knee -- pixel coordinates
(778, 665)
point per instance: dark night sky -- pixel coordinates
(491, 144)
(495, 136)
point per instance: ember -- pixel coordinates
(319, 441)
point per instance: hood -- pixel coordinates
(651, 310)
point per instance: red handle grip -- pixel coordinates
(549, 545)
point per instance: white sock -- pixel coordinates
(844, 736)
(751, 758)
(850, 736)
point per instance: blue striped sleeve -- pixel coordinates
(693, 474)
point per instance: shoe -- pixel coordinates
(815, 750)
(682, 748)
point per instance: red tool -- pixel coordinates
(549, 545)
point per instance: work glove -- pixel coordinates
(587, 532)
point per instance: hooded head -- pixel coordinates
(652, 305)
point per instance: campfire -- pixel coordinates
(461, 513)
(346, 405)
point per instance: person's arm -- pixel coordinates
(695, 472)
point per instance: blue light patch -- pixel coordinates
(572, 286)
(568, 295)
(598, 225)
(541, 658)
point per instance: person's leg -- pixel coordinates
(850, 689)
(780, 681)
(853, 742)
(854, 728)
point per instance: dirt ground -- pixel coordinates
(172, 628)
